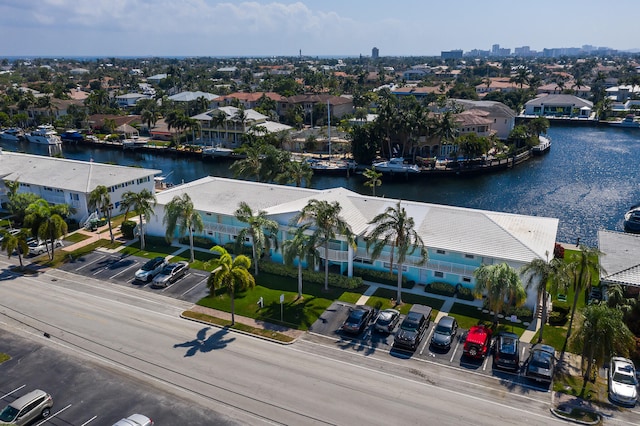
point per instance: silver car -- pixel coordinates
(150, 269)
(135, 420)
(27, 408)
(171, 273)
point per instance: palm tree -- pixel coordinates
(251, 165)
(180, 214)
(296, 172)
(502, 284)
(46, 221)
(261, 230)
(100, 199)
(396, 230)
(230, 274)
(602, 333)
(373, 179)
(300, 248)
(142, 203)
(325, 218)
(581, 268)
(14, 243)
(539, 273)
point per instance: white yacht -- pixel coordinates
(396, 165)
(11, 135)
(45, 134)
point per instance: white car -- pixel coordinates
(623, 385)
(39, 246)
(135, 420)
(150, 269)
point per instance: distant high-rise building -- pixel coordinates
(451, 54)
(495, 49)
(375, 53)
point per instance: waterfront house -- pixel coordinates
(339, 105)
(502, 117)
(127, 100)
(459, 240)
(567, 106)
(248, 100)
(62, 181)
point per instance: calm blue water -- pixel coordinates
(588, 180)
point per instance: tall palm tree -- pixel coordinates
(373, 178)
(502, 284)
(46, 221)
(14, 243)
(251, 165)
(300, 248)
(542, 274)
(296, 172)
(142, 203)
(180, 214)
(231, 274)
(261, 230)
(100, 199)
(396, 230)
(601, 334)
(582, 268)
(328, 223)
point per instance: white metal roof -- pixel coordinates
(621, 260)
(71, 175)
(192, 96)
(478, 232)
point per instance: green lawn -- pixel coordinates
(468, 316)
(381, 299)
(554, 336)
(296, 313)
(76, 237)
(201, 259)
(154, 247)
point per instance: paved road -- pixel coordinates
(246, 379)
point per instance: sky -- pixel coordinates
(65, 28)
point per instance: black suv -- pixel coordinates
(413, 327)
(506, 353)
(358, 319)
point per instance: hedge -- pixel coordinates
(308, 276)
(127, 228)
(443, 289)
(382, 277)
(201, 242)
(465, 293)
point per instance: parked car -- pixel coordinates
(445, 331)
(27, 408)
(478, 342)
(358, 319)
(150, 269)
(541, 363)
(171, 273)
(135, 420)
(413, 327)
(387, 320)
(506, 352)
(623, 385)
(37, 247)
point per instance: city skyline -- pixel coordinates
(287, 28)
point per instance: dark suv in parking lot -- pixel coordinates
(358, 319)
(413, 327)
(506, 353)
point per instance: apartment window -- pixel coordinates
(438, 274)
(466, 279)
(469, 256)
(46, 188)
(440, 251)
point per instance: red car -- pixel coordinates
(478, 342)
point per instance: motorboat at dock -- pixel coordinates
(396, 166)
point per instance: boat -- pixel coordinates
(544, 145)
(632, 220)
(44, 134)
(629, 121)
(330, 166)
(11, 135)
(72, 135)
(217, 151)
(133, 142)
(396, 166)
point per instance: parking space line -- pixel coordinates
(197, 284)
(53, 415)
(124, 270)
(454, 351)
(89, 421)
(13, 391)
(486, 361)
(90, 263)
(427, 341)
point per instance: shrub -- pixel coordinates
(443, 289)
(198, 241)
(335, 280)
(381, 277)
(558, 251)
(465, 293)
(561, 307)
(557, 319)
(127, 228)
(520, 312)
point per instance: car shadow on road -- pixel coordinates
(205, 344)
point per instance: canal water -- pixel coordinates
(588, 180)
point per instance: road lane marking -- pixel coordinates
(13, 391)
(197, 284)
(454, 351)
(90, 263)
(53, 415)
(89, 421)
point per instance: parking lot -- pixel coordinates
(370, 341)
(120, 269)
(87, 394)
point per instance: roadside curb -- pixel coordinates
(246, 333)
(556, 411)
